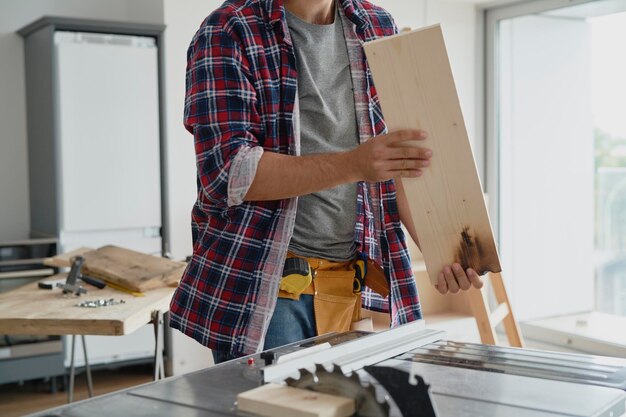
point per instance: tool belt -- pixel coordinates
(335, 287)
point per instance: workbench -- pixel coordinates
(29, 310)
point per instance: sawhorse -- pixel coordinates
(159, 367)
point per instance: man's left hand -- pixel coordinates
(454, 278)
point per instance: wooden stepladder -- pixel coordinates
(487, 320)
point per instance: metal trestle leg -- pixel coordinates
(70, 391)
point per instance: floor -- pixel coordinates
(33, 396)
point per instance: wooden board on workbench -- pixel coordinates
(33, 311)
(416, 88)
(130, 269)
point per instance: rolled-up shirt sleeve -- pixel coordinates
(221, 113)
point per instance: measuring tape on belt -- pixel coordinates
(360, 269)
(297, 276)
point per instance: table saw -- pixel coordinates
(406, 371)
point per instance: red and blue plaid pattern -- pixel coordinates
(241, 102)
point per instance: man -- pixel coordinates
(293, 162)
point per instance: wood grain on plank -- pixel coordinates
(274, 400)
(133, 270)
(416, 89)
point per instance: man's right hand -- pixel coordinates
(389, 156)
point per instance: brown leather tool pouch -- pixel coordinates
(334, 301)
(375, 279)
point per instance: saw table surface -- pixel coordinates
(461, 384)
(33, 311)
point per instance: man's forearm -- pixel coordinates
(381, 158)
(281, 176)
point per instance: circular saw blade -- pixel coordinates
(336, 383)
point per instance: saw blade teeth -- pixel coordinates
(319, 368)
(337, 370)
(355, 377)
(290, 381)
(305, 373)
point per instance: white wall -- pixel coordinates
(14, 14)
(407, 13)
(182, 20)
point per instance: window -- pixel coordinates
(609, 109)
(557, 153)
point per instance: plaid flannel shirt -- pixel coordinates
(241, 102)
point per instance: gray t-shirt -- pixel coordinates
(325, 220)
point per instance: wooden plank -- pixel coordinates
(30, 310)
(274, 400)
(416, 89)
(133, 270)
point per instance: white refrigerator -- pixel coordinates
(107, 159)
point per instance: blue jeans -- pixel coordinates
(292, 321)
